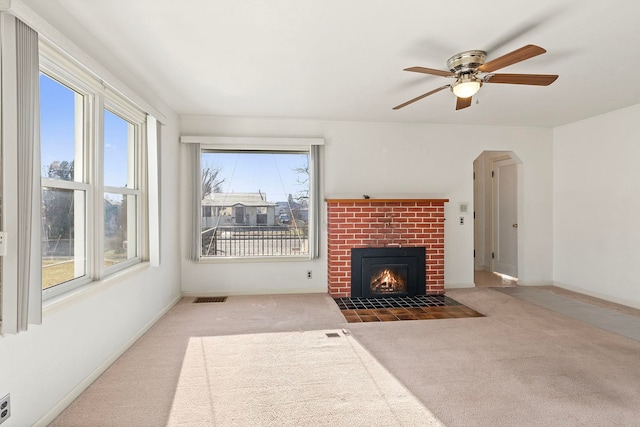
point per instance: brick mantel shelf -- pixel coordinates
(367, 201)
(362, 223)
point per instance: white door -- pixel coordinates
(505, 217)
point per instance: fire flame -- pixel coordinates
(387, 282)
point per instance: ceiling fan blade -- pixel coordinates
(518, 55)
(420, 97)
(432, 71)
(463, 103)
(523, 79)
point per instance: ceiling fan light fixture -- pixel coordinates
(466, 86)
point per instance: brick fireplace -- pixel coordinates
(378, 223)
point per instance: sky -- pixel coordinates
(57, 129)
(270, 173)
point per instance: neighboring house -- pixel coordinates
(299, 211)
(237, 209)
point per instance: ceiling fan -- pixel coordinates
(470, 72)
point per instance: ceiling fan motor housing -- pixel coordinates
(466, 62)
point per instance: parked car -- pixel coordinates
(284, 219)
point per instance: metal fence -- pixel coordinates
(57, 247)
(255, 241)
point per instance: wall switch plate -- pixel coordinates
(5, 408)
(3, 243)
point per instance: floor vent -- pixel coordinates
(210, 299)
(333, 335)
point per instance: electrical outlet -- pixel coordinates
(308, 274)
(461, 220)
(5, 408)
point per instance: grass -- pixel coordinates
(60, 270)
(56, 271)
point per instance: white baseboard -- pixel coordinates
(621, 301)
(235, 292)
(77, 390)
(458, 285)
(534, 283)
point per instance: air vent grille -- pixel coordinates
(209, 299)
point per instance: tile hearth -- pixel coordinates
(420, 307)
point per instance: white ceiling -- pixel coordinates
(344, 59)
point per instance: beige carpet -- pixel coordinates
(522, 365)
(289, 379)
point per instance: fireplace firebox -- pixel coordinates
(388, 271)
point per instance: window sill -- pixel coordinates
(74, 296)
(216, 260)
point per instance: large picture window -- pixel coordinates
(91, 174)
(255, 203)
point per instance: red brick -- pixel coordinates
(376, 224)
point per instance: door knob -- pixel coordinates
(515, 225)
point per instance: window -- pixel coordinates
(255, 203)
(65, 189)
(91, 174)
(121, 196)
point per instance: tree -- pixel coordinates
(302, 196)
(57, 209)
(61, 170)
(211, 183)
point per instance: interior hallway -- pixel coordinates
(487, 279)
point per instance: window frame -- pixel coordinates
(311, 146)
(137, 119)
(98, 98)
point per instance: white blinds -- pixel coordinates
(314, 211)
(29, 240)
(196, 198)
(153, 189)
(22, 283)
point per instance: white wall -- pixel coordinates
(395, 160)
(50, 364)
(596, 206)
(47, 366)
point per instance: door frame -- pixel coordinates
(483, 220)
(495, 218)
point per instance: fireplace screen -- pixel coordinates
(382, 272)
